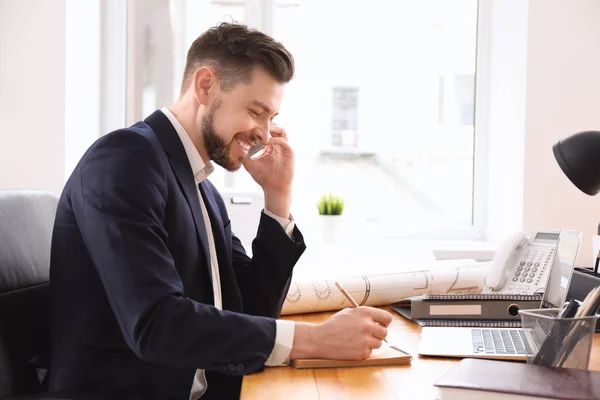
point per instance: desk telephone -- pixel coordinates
(522, 264)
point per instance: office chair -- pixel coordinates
(26, 223)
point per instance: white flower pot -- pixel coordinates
(330, 228)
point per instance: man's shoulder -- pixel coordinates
(134, 141)
(133, 151)
(138, 135)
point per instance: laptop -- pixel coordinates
(506, 343)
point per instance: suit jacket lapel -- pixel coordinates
(168, 137)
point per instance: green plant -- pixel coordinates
(330, 204)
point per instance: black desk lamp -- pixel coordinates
(578, 156)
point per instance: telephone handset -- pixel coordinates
(522, 264)
(503, 260)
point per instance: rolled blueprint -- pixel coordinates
(308, 296)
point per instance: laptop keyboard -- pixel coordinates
(498, 341)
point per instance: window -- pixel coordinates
(345, 112)
(381, 109)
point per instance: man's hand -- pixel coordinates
(274, 171)
(351, 334)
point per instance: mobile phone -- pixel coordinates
(255, 149)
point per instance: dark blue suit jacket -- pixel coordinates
(132, 297)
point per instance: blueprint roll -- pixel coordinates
(316, 295)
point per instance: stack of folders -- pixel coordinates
(468, 310)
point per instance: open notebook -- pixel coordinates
(385, 355)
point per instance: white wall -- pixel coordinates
(32, 94)
(49, 89)
(563, 97)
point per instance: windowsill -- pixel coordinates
(379, 256)
(341, 151)
(477, 250)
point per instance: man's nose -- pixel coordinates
(264, 132)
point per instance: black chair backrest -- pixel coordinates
(26, 223)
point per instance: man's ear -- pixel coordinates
(204, 83)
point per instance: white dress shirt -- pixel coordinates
(284, 336)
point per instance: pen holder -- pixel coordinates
(557, 342)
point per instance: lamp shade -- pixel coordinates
(578, 156)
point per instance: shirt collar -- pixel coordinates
(200, 169)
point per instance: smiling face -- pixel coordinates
(240, 117)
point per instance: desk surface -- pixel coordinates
(413, 381)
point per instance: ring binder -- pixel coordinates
(462, 323)
(483, 296)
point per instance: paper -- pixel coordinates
(308, 296)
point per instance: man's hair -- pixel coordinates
(232, 51)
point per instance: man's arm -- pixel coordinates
(119, 202)
(352, 333)
(264, 280)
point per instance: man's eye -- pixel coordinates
(254, 113)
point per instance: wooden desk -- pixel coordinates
(413, 381)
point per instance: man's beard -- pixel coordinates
(215, 146)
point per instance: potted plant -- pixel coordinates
(330, 208)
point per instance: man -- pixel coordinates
(153, 296)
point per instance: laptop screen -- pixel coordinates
(560, 276)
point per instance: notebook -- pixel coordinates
(385, 355)
(478, 379)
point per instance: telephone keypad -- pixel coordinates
(530, 268)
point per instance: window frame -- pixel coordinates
(125, 58)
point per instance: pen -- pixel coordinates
(348, 297)
(570, 310)
(551, 345)
(587, 308)
(592, 303)
(587, 303)
(595, 306)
